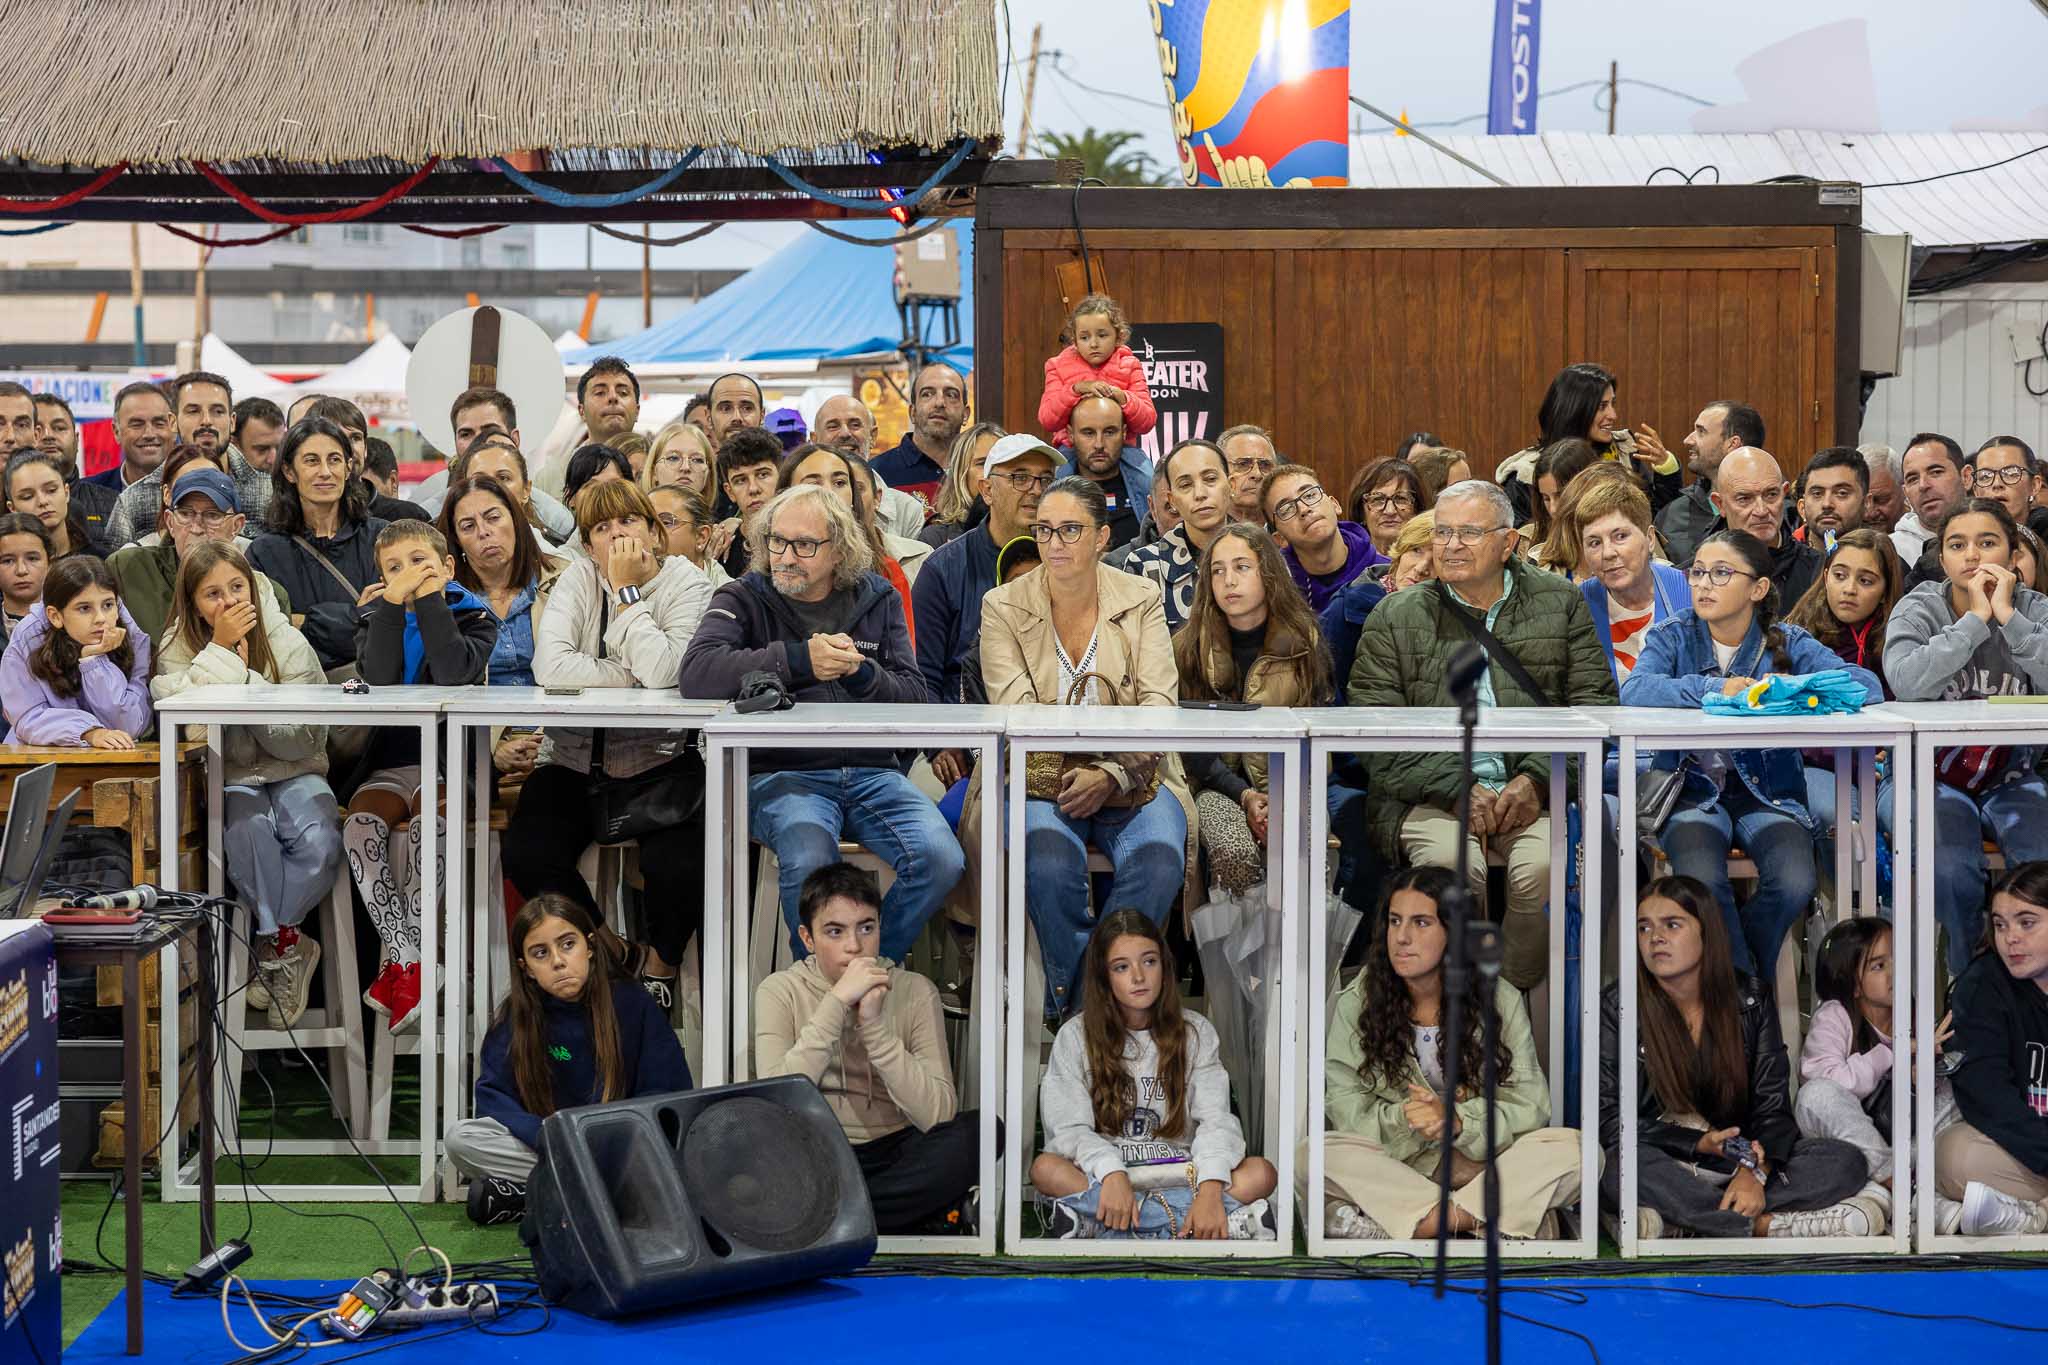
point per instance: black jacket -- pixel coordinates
(329, 611)
(1765, 1118)
(1795, 565)
(749, 628)
(92, 504)
(457, 634)
(2002, 1034)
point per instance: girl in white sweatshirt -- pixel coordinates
(1139, 1137)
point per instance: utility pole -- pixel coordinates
(135, 289)
(199, 300)
(1613, 93)
(1030, 88)
(646, 275)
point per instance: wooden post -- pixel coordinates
(135, 288)
(646, 276)
(1030, 88)
(1613, 93)
(199, 304)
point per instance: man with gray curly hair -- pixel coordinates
(812, 613)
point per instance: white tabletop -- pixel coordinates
(1967, 718)
(535, 705)
(820, 721)
(1696, 726)
(324, 702)
(1162, 724)
(1520, 726)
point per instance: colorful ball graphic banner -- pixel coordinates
(1258, 89)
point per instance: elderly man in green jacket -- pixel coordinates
(1403, 660)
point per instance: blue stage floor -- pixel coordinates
(895, 1319)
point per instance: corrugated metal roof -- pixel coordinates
(2004, 205)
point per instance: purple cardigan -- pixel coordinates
(107, 699)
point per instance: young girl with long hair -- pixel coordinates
(36, 484)
(77, 673)
(26, 552)
(1383, 1085)
(1978, 633)
(1712, 1070)
(1136, 1087)
(1728, 639)
(1845, 1066)
(1994, 1159)
(568, 1033)
(280, 826)
(1250, 638)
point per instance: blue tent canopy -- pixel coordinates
(817, 298)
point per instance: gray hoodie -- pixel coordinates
(1932, 655)
(1216, 1145)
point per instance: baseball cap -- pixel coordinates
(1010, 447)
(218, 488)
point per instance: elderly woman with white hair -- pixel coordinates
(814, 615)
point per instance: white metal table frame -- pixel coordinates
(1277, 732)
(1563, 733)
(1661, 729)
(728, 738)
(1937, 725)
(479, 709)
(215, 706)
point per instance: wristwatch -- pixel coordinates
(628, 595)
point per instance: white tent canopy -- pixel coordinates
(378, 370)
(217, 357)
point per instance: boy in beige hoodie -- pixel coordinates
(870, 1037)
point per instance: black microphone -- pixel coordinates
(1467, 665)
(137, 898)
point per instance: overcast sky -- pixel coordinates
(1908, 66)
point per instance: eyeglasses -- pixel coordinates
(205, 517)
(1026, 483)
(1720, 575)
(1068, 532)
(1390, 502)
(1462, 535)
(1991, 478)
(1289, 508)
(803, 547)
(1251, 466)
(669, 520)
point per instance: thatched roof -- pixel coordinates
(159, 82)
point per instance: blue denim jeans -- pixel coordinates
(1698, 839)
(2015, 814)
(1820, 799)
(1146, 847)
(803, 815)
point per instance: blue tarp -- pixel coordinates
(814, 299)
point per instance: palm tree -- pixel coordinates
(1103, 155)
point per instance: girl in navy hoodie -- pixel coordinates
(568, 1034)
(414, 626)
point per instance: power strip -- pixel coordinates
(435, 1304)
(457, 1303)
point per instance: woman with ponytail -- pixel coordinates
(1730, 639)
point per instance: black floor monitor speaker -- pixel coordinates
(670, 1198)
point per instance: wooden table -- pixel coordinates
(119, 792)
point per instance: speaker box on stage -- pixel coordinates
(670, 1198)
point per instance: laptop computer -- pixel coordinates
(28, 809)
(22, 884)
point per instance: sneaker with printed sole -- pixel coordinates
(1252, 1223)
(1948, 1215)
(1988, 1212)
(288, 978)
(1857, 1216)
(1063, 1224)
(494, 1200)
(1348, 1222)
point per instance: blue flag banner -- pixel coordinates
(1517, 33)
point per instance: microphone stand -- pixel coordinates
(1472, 946)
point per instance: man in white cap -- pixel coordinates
(948, 592)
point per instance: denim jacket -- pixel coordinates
(1678, 668)
(512, 657)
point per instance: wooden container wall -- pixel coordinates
(1450, 311)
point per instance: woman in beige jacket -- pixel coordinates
(1075, 626)
(280, 828)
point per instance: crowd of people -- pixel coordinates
(239, 544)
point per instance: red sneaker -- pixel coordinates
(405, 999)
(383, 994)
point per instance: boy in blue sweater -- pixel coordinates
(567, 1035)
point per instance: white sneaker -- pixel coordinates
(288, 979)
(1853, 1217)
(1994, 1213)
(1649, 1224)
(1348, 1222)
(1249, 1223)
(1948, 1215)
